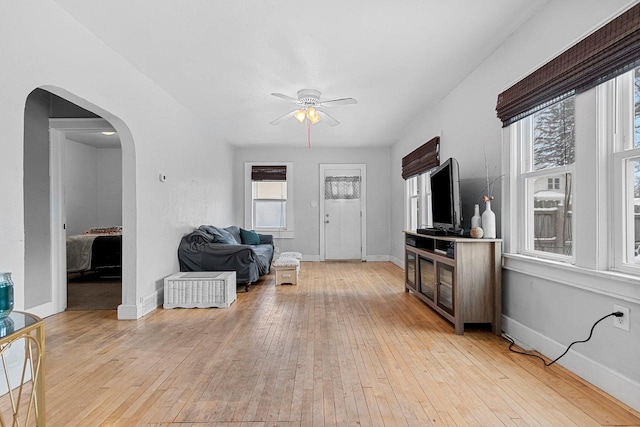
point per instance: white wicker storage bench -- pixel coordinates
(200, 289)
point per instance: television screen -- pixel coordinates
(445, 196)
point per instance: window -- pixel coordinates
(547, 178)
(411, 191)
(571, 157)
(626, 167)
(269, 204)
(268, 198)
(417, 194)
(547, 154)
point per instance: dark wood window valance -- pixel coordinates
(606, 53)
(423, 158)
(268, 173)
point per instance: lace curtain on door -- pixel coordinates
(342, 187)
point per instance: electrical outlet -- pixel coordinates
(277, 248)
(621, 322)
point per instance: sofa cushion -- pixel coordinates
(220, 235)
(226, 238)
(234, 230)
(249, 237)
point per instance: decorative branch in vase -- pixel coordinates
(488, 216)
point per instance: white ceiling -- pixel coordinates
(223, 59)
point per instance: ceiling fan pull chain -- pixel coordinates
(308, 135)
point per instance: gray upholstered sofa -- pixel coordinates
(210, 248)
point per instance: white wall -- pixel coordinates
(93, 187)
(306, 165)
(545, 313)
(109, 173)
(37, 240)
(81, 185)
(43, 46)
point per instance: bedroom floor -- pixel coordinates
(93, 291)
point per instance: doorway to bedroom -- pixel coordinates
(89, 155)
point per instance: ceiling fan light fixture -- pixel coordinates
(300, 115)
(312, 115)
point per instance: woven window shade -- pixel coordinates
(423, 158)
(268, 173)
(606, 53)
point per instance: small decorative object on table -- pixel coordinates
(489, 222)
(476, 219)
(6, 295)
(477, 232)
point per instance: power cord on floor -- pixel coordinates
(512, 342)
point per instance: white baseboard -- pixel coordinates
(397, 261)
(128, 312)
(377, 258)
(369, 258)
(622, 388)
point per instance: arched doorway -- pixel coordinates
(45, 261)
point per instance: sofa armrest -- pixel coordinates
(266, 239)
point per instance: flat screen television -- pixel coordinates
(446, 208)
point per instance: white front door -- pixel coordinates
(342, 214)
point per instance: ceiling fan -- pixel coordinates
(310, 107)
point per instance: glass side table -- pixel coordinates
(30, 328)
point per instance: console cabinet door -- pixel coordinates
(411, 260)
(427, 278)
(446, 288)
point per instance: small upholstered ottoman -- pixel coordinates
(200, 289)
(287, 270)
(296, 255)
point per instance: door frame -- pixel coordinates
(58, 128)
(363, 203)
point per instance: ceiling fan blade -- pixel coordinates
(341, 101)
(285, 97)
(330, 120)
(283, 117)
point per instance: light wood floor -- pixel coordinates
(346, 347)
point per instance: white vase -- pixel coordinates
(476, 219)
(489, 222)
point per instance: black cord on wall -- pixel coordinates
(512, 343)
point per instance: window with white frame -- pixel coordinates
(411, 196)
(572, 134)
(626, 171)
(415, 171)
(546, 151)
(417, 196)
(268, 198)
(269, 204)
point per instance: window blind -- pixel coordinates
(268, 173)
(423, 158)
(611, 50)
